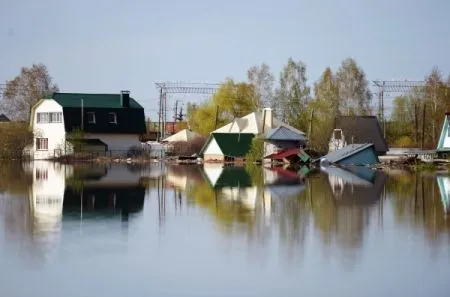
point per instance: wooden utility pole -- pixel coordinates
(423, 124)
(310, 128)
(217, 117)
(416, 124)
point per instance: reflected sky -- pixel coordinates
(190, 230)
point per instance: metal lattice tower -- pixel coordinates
(166, 88)
(394, 86)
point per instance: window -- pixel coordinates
(42, 144)
(112, 118)
(91, 117)
(49, 117)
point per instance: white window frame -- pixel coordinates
(48, 117)
(39, 144)
(91, 113)
(115, 118)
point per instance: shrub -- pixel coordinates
(15, 137)
(256, 152)
(187, 148)
(404, 141)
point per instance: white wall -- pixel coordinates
(213, 149)
(47, 192)
(55, 132)
(116, 142)
(446, 141)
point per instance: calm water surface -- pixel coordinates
(157, 230)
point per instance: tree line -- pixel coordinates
(415, 119)
(310, 108)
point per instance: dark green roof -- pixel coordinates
(130, 120)
(232, 144)
(92, 100)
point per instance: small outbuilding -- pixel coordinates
(358, 129)
(226, 146)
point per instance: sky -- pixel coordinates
(104, 46)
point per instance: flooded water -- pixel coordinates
(122, 230)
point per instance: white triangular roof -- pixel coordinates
(183, 135)
(253, 123)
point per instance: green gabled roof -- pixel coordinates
(130, 120)
(92, 100)
(232, 144)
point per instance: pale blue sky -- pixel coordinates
(109, 45)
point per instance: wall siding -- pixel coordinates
(53, 131)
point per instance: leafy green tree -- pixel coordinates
(293, 94)
(21, 93)
(354, 93)
(323, 110)
(232, 100)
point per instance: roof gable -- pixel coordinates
(362, 129)
(284, 133)
(234, 144)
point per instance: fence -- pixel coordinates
(86, 155)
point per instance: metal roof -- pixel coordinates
(337, 155)
(284, 133)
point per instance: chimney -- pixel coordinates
(125, 98)
(268, 119)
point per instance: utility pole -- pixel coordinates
(423, 124)
(175, 116)
(416, 124)
(217, 117)
(310, 128)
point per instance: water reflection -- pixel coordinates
(312, 218)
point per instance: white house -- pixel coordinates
(110, 124)
(231, 141)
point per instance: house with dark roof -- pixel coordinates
(4, 118)
(109, 123)
(227, 146)
(357, 129)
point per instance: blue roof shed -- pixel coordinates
(354, 154)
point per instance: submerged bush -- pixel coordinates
(187, 148)
(15, 137)
(256, 152)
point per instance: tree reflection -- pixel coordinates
(417, 201)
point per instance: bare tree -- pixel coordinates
(21, 93)
(262, 79)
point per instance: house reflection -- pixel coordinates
(62, 193)
(103, 191)
(443, 182)
(344, 221)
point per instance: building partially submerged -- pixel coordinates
(353, 154)
(278, 137)
(357, 129)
